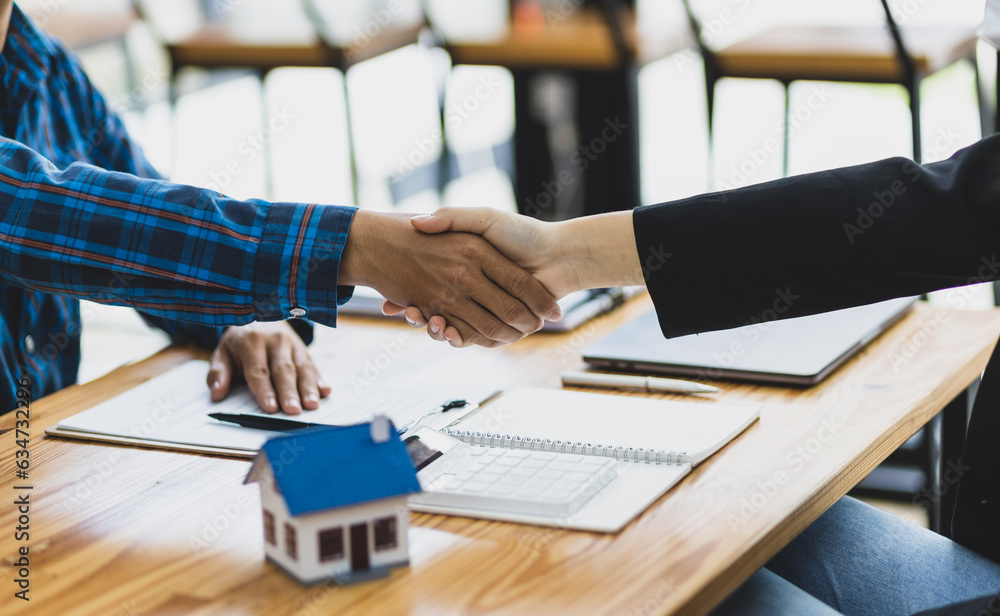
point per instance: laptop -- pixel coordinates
(577, 308)
(799, 351)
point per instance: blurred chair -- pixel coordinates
(863, 54)
(574, 66)
(353, 32)
(260, 37)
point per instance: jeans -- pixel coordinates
(858, 560)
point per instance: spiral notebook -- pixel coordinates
(656, 443)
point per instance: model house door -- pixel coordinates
(359, 547)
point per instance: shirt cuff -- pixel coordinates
(295, 273)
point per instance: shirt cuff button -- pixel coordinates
(297, 312)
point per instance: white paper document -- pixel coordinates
(172, 409)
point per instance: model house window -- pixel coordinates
(269, 533)
(385, 533)
(291, 544)
(331, 544)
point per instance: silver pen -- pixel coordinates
(646, 383)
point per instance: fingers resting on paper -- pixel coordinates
(274, 363)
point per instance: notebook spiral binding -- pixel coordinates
(507, 441)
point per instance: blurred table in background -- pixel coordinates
(576, 140)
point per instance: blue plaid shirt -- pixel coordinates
(84, 215)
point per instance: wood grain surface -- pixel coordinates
(123, 530)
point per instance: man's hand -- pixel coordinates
(579, 254)
(273, 361)
(537, 246)
(485, 297)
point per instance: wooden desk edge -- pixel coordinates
(824, 497)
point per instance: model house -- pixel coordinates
(334, 501)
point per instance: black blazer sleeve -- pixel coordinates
(822, 241)
(835, 239)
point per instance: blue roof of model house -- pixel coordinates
(319, 469)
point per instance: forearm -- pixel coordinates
(172, 251)
(601, 250)
(367, 251)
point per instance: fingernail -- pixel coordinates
(422, 217)
(555, 315)
(311, 398)
(435, 328)
(322, 384)
(216, 385)
(410, 321)
(270, 402)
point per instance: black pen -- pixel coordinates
(259, 422)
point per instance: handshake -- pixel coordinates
(472, 276)
(482, 276)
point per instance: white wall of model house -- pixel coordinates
(307, 565)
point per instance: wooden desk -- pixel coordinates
(114, 530)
